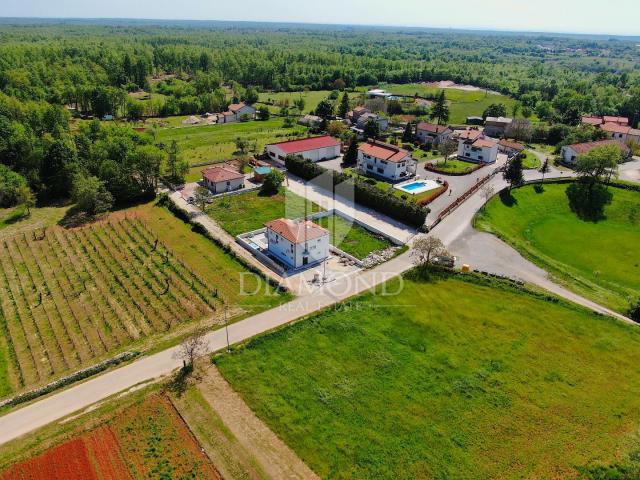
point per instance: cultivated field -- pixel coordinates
(208, 143)
(599, 260)
(72, 297)
(147, 440)
(250, 211)
(448, 379)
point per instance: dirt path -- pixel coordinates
(240, 445)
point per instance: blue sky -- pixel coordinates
(581, 16)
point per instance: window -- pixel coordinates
(467, 154)
(369, 166)
(228, 183)
(480, 157)
(272, 154)
(380, 170)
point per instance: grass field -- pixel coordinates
(531, 161)
(463, 103)
(73, 297)
(146, 440)
(448, 379)
(311, 98)
(352, 238)
(209, 143)
(454, 166)
(598, 260)
(250, 211)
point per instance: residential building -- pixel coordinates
(481, 150)
(597, 121)
(509, 148)
(475, 120)
(312, 148)
(382, 122)
(222, 179)
(570, 153)
(386, 161)
(496, 126)
(432, 134)
(356, 113)
(467, 134)
(379, 93)
(310, 121)
(297, 243)
(235, 113)
(621, 133)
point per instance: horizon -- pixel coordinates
(571, 17)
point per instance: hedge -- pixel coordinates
(365, 194)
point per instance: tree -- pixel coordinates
(344, 107)
(447, 148)
(263, 113)
(336, 129)
(91, 195)
(440, 109)
(426, 248)
(544, 169)
(599, 164)
(201, 195)
(515, 110)
(177, 168)
(351, 155)
(194, 346)
(495, 110)
(513, 172)
(242, 145)
(251, 96)
(371, 129)
(272, 182)
(634, 311)
(407, 135)
(59, 163)
(299, 103)
(27, 198)
(11, 187)
(324, 109)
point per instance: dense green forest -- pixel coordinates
(50, 67)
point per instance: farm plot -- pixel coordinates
(147, 440)
(69, 298)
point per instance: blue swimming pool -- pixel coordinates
(417, 187)
(262, 170)
(413, 186)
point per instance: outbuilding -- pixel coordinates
(312, 148)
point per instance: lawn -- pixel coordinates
(598, 260)
(454, 166)
(250, 211)
(351, 237)
(311, 98)
(448, 379)
(531, 161)
(463, 103)
(70, 298)
(208, 143)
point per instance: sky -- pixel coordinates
(621, 17)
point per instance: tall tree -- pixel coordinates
(324, 109)
(513, 172)
(440, 109)
(407, 135)
(344, 107)
(351, 155)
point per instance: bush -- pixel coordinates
(364, 193)
(634, 312)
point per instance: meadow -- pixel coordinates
(462, 103)
(210, 143)
(145, 440)
(72, 297)
(598, 260)
(250, 211)
(351, 237)
(454, 377)
(275, 100)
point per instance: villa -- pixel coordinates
(386, 161)
(297, 243)
(432, 134)
(481, 150)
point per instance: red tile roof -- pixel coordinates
(614, 128)
(513, 145)
(384, 151)
(483, 142)
(221, 174)
(470, 134)
(296, 232)
(304, 145)
(582, 148)
(234, 107)
(618, 120)
(432, 128)
(592, 120)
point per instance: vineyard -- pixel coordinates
(69, 298)
(147, 440)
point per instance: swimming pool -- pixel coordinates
(418, 186)
(262, 170)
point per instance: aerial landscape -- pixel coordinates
(268, 240)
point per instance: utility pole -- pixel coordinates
(226, 325)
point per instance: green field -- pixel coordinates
(250, 211)
(208, 143)
(531, 161)
(311, 98)
(448, 379)
(454, 166)
(352, 238)
(463, 103)
(598, 260)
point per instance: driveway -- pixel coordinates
(630, 171)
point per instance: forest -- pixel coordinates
(94, 68)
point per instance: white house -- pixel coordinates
(235, 113)
(481, 150)
(312, 148)
(432, 134)
(571, 152)
(222, 179)
(387, 161)
(509, 148)
(297, 243)
(496, 126)
(382, 122)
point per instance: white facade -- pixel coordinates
(391, 170)
(480, 151)
(297, 255)
(315, 155)
(224, 185)
(432, 138)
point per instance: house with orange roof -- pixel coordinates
(236, 112)
(385, 161)
(315, 149)
(432, 134)
(571, 152)
(297, 243)
(221, 179)
(479, 150)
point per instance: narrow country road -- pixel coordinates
(455, 231)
